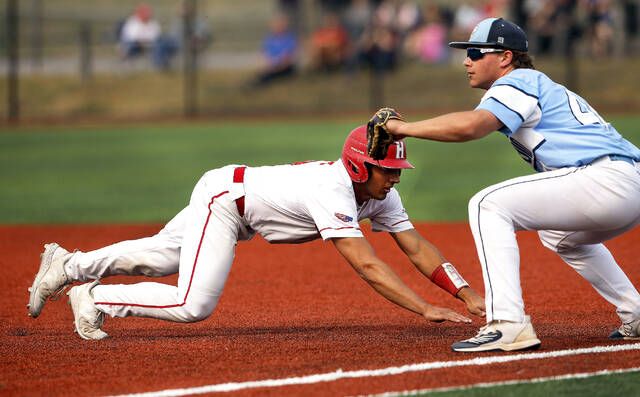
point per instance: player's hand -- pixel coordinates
(475, 303)
(393, 126)
(440, 314)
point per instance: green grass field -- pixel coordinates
(145, 173)
(596, 386)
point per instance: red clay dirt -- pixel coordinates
(293, 310)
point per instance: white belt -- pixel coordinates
(615, 157)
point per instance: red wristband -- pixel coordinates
(447, 277)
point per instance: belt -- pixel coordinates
(617, 157)
(238, 177)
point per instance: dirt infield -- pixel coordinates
(292, 311)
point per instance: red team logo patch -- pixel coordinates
(343, 217)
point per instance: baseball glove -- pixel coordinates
(378, 138)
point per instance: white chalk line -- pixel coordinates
(340, 374)
(485, 385)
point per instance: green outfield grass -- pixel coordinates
(145, 173)
(596, 386)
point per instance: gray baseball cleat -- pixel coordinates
(87, 318)
(627, 331)
(501, 335)
(50, 280)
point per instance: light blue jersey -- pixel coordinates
(550, 126)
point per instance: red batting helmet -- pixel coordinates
(354, 155)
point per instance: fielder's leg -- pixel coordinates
(593, 198)
(595, 263)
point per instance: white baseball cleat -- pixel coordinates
(501, 335)
(50, 279)
(87, 318)
(627, 331)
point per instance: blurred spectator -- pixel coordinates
(466, 17)
(279, 51)
(554, 26)
(329, 44)
(400, 16)
(335, 6)
(378, 48)
(543, 16)
(357, 18)
(294, 12)
(169, 44)
(600, 27)
(428, 42)
(497, 9)
(631, 12)
(139, 32)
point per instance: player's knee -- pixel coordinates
(556, 241)
(474, 204)
(198, 309)
(570, 251)
(481, 202)
(565, 249)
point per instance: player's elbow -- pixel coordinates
(477, 132)
(465, 134)
(369, 271)
(469, 131)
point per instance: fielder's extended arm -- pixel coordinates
(450, 127)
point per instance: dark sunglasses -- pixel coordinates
(478, 53)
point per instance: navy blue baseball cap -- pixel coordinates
(495, 33)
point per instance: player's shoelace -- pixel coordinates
(58, 293)
(627, 329)
(480, 336)
(99, 320)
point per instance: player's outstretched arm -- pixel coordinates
(450, 127)
(359, 253)
(430, 262)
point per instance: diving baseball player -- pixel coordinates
(586, 191)
(285, 204)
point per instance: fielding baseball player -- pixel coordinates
(285, 204)
(586, 191)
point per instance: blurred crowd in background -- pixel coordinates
(380, 34)
(273, 40)
(351, 34)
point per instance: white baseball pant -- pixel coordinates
(574, 210)
(199, 243)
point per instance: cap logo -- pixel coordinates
(501, 40)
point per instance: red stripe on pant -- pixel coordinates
(193, 270)
(238, 177)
